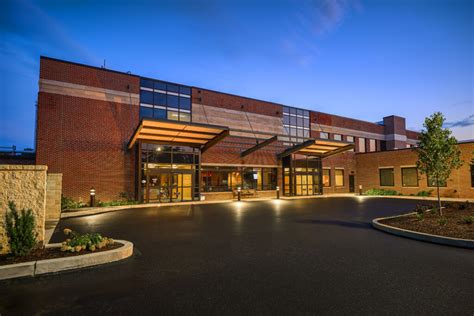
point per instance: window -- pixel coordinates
(223, 178)
(172, 102)
(296, 124)
(362, 145)
(409, 177)
(386, 177)
(350, 139)
(472, 176)
(324, 135)
(338, 137)
(432, 182)
(339, 177)
(327, 177)
(372, 145)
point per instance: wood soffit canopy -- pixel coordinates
(178, 133)
(318, 147)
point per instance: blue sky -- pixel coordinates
(362, 59)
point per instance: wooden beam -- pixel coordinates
(215, 140)
(258, 146)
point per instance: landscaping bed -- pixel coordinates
(51, 253)
(457, 221)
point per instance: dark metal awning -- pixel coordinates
(178, 133)
(318, 147)
(258, 146)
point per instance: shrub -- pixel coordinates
(69, 203)
(420, 216)
(424, 193)
(20, 229)
(380, 192)
(464, 206)
(442, 221)
(421, 209)
(116, 203)
(77, 242)
(468, 220)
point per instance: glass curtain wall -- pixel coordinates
(222, 179)
(301, 175)
(169, 173)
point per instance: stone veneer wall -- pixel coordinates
(26, 186)
(53, 196)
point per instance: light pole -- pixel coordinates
(239, 189)
(278, 192)
(92, 196)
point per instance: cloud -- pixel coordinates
(310, 22)
(467, 121)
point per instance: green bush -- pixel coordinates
(424, 193)
(442, 221)
(420, 216)
(464, 206)
(380, 192)
(115, 203)
(77, 242)
(20, 229)
(468, 220)
(69, 203)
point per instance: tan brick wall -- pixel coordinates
(368, 164)
(53, 196)
(26, 186)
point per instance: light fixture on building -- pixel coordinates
(158, 148)
(92, 197)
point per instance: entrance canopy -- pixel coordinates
(318, 147)
(178, 133)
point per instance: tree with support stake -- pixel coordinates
(438, 153)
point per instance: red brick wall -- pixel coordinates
(344, 160)
(412, 135)
(53, 69)
(345, 122)
(85, 139)
(223, 100)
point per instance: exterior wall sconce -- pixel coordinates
(92, 197)
(278, 192)
(239, 190)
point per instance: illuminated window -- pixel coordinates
(324, 135)
(327, 177)
(339, 177)
(338, 137)
(350, 139)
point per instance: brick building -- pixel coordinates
(147, 139)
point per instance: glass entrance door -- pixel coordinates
(169, 187)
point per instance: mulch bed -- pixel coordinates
(454, 227)
(51, 253)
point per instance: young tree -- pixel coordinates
(438, 153)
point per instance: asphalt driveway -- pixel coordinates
(300, 256)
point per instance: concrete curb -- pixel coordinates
(100, 210)
(33, 268)
(448, 241)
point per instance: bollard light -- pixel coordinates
(92, 196)
(278, 192)
(360, 189)
(239, 189)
